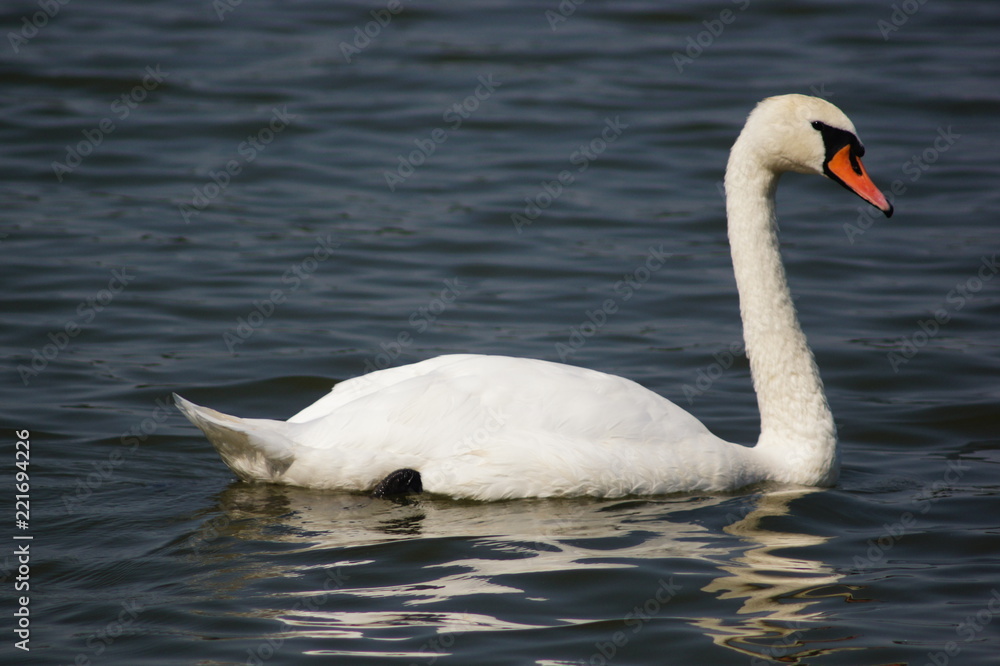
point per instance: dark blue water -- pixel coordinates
(246, 202)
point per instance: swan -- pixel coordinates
(493, 427)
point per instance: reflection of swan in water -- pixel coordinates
(365, 572)
(766, 582)
(530, 536)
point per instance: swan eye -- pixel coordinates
(817, 125)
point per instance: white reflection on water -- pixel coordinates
(774, 588)
(528, 537)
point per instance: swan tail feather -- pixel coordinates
(255, 449)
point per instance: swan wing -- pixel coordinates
(447, 392)
(364, 385)
(490, 427)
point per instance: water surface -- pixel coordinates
(247, 202)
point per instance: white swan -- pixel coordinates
(494, 427)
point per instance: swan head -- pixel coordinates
(810, 135)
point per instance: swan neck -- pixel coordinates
(798, 435)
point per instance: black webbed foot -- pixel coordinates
(400, 482)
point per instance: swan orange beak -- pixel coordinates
(846, 168)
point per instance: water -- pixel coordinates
(220, 224)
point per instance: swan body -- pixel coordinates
(495, 427)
